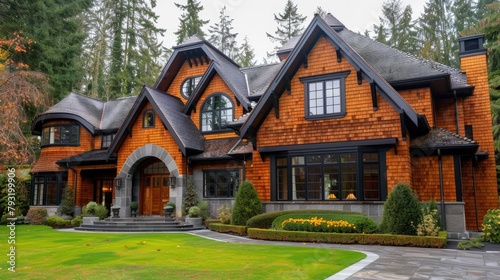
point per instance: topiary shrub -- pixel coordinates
(36, 216)
(194, 212)
(402, 212)
(67, 206)
(93, 209)
(491, 226)
(247, 204)
(204, 209)
(190, 197)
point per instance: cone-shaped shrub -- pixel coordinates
(402, 212)
(247, 204)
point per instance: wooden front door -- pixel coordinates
(155, 193)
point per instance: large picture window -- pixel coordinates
(329, 176)
(216, 112)
(47, 189)
(61, 135)
(220, 183)
(325, 95)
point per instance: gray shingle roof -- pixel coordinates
(448, 142)
(115, 112)
(79, 105)
(259, 77)
(90, 157)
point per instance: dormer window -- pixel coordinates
(62, 135)
(148, 119)
(188, 86)
(216, 112)
(325, 96)
(106, 140)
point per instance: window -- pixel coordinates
(48, 189)
(216, 112)
(188, 86)
(106, 140)
(148, 119)
(220, 183)
(65, 135)
(325, 95)
(329, 176)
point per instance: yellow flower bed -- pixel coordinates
(316, 224)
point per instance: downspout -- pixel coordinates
(456, 112)
(244, 168)
(475, 196)
(441, 188)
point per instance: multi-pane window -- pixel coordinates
(325, 95)
(61, 135)
(188, 86)
(106, 140)
(47, 189)
(148, 119)
(216, 112)
(330, 176)
(220, 183)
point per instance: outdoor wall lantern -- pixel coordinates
(118, 182)
(172, 181)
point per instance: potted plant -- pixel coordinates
(134, 205)
(194, 217)
(116, 211)
(93, 212)
(168, 209)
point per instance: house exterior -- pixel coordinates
(336, 124)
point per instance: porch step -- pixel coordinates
(140, 224)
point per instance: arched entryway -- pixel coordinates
(154, 189)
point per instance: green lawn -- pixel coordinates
(42, 253)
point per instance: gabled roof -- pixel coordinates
(95, 115)
(216, 149)
(320, 27)
(169, 109)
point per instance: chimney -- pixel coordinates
(471, 45)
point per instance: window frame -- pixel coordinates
(40, 188)
(279, 171)
(340, 76)
(229, 189)
(68, 127)
(104, 139)
(146, 112)
(202, 112)
(192, 86)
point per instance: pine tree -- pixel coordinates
(290, 24)
(246, 205)
(221, 35)
(319, 11)
(190, 22)
(246, 56)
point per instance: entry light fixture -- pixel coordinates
(173, 180)
(118, 182)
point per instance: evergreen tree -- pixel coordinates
(221, 35)
(290, 24)
(319, 11)
(402, 212)
(246, 205)
(464, 14)
(190, 22)
(246, 56)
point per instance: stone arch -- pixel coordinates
(148, 150)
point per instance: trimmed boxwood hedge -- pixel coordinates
(363, 223)
(265, 220)
(350, 238)
(231, 229)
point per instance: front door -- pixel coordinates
(155, 194)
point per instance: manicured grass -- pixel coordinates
(42, 253)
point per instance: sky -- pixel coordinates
(253, 18)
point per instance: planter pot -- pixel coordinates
(167, 211)
(133, 213)
(89, 220)
(196, 222)
(116, 212)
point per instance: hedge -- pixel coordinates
(350, 238)
(364, 224)
(265, 220)
(231, 229)
(58, 222)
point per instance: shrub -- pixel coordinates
(469, 244)
(230, 229)
(432, 209)
(194, 212)
(57, 222)
(93, 209)
(265, 220)
(134, 205)
(204, 209)
(246, 205)
(428, 225)
(190, 197)
(491, 226)
(402, 211)
(224, 214)
(316, 224)
(36, 216)
(77, 221)
(67, 206)
(362, 223)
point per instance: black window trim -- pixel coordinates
(381, 151)
(322, 78)
(111, 135)
(222, 130)
(238, 170)
(77, 144)
(59, 187)
(191, 79)
(144, 118)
